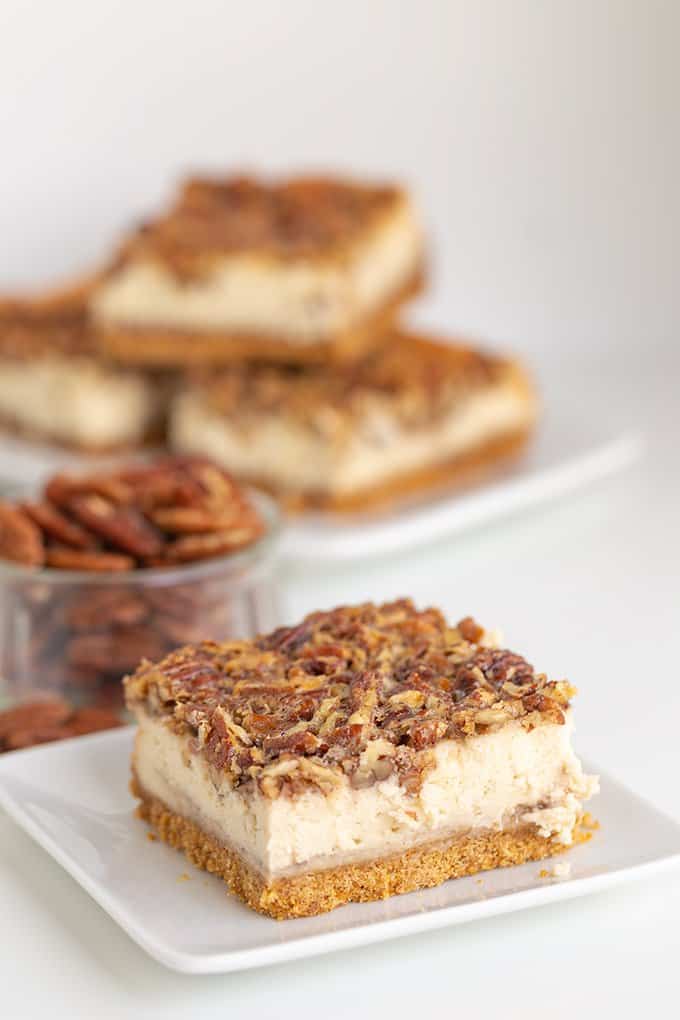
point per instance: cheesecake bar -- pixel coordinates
(413, 415)
(54, 386)
(367, 751)
(299, 270)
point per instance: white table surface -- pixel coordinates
(589, 589)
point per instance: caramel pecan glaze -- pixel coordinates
(364, 691)
(308, 217)
(412, 377)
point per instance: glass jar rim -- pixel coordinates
(254, 554)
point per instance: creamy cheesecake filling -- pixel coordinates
(285, 453)
(501, 780)
(301, 300)
(75, 400)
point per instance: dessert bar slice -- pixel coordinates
(412, 415)
(367, 751)
(296, 270)
(54, 386)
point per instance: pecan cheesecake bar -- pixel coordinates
(54, 385)
(414, 414)
(297, 270)
(368, 751)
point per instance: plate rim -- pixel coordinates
(304, 946)
(314, 537)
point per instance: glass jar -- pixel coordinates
(77, 634)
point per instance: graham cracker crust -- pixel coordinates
(318, 892)
(180, 348)
(457, 473)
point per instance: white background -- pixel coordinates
(541, 138)
(542, 141)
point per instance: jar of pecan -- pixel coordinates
(101, 571)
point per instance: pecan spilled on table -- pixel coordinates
(45, 720)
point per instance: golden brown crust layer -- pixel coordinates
(181, 348)
(318, 892)
(359, 691)
(304, 217)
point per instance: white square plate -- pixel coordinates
(73, 799)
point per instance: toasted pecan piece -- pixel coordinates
(202, 547)
(56, 525)
(44, 712)
(92, 719)
(195, 519)
(61, 489)
(63, 558)
(162, 485)
(44, 721)
(34, 734)
(121, 526)
(20, 538)
(219, 487)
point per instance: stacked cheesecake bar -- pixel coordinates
(55, 386)
(278, 302)
(258, 322)
(304, 270)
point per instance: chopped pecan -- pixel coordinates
(362, 692)
(470, 630)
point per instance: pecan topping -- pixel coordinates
(363, 691)
(306, 217)
(411, 378)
